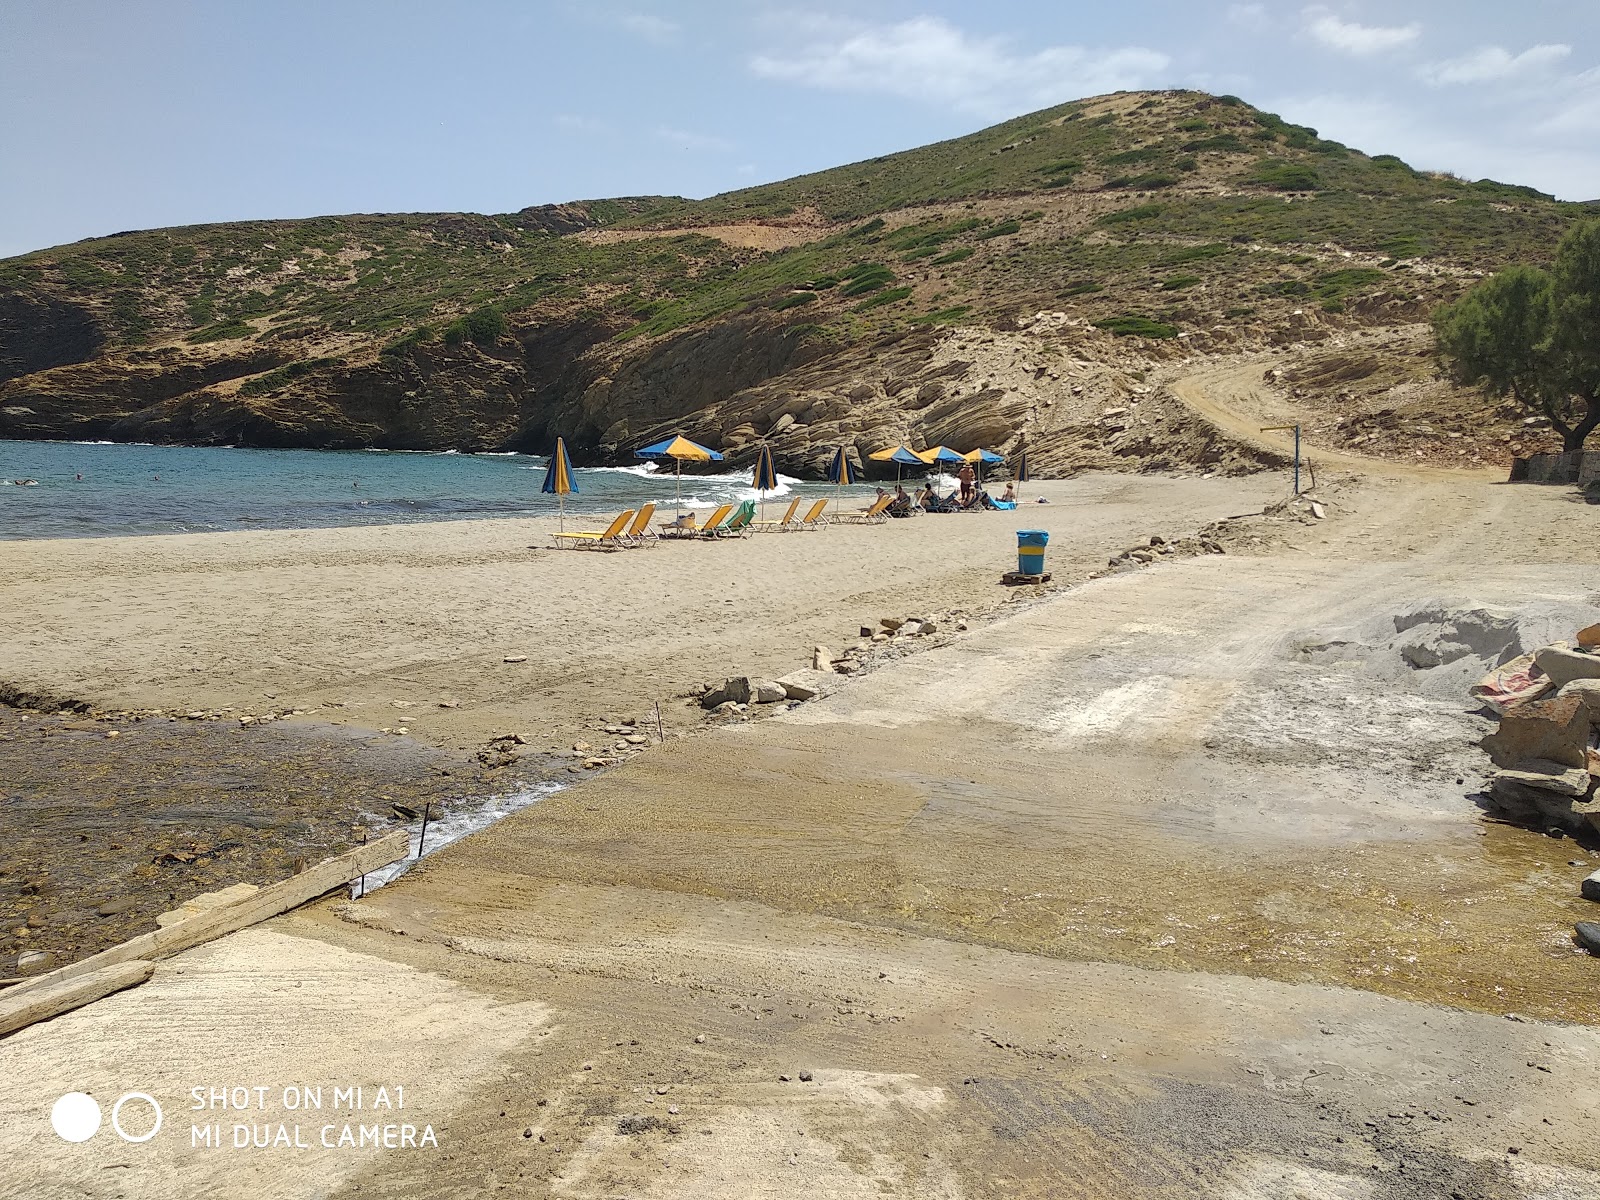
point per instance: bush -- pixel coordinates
(944, 316)
(403, 346)
(1137, 327)
(273, 380)
(1222, 143)
(1178, 282)
(221, 332)
(1000, 230)
(1287, 177)
(866, 277)
(1080, 288)
(955, 256)
(892, 296)
(794, 300)
(484, 326)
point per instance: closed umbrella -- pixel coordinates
(841, 471)
(766, 477)
(1020, 470)
(558, 480)
(678, 448)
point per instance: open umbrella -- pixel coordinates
(982, 457)
(766, 477)
(901, 456)
(678, 448)
(558, 480)
(841, 471)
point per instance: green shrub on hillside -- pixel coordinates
(1000, 230)
(1195, 254)
(1286, 177)
(1143, 212)
(1081, 287)
(483, 326)
(1178, 282)
(945, 316)
(892, 296)
(793, 300)
(955, 256)
(220, 332)
(403, 346)
(273, 380)
(1137, 327)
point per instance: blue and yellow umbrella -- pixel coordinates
(678, 448)
(841, 473)
(558, 479)
(1020, 471)
(766, 477)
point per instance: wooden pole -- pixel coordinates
(661, 733)
(422, 837)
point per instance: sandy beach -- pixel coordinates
(379, 626)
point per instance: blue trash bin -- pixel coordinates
(1030, 551)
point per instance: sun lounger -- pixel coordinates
(734, 525)
(813, 519)
(608, 539)
(640, 533)
(788, 518)
(711, 523)
(683, 527)
(879, 512)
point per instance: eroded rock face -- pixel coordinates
(39, 332)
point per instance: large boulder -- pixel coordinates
(1587, 692)
(805, 685)
(1555, 730)
(735, 690)
(1547, 777)
(1563, 664)
(766, 691)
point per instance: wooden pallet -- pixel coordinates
(1017, 578)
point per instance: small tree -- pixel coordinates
(1535, 336)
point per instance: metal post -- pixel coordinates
(1297, 460)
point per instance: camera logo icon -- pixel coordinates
(76, 1117)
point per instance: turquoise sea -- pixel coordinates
(101, 489)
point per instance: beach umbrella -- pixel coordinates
(558, 479)
(982, 457)
(901, 456)
(678, 448)
(766, 477)
(1021, 469)
(841, 471)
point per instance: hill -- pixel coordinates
(1016, 282)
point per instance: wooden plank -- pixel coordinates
(20, 1008)
(213, 923)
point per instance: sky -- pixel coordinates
(134, 114)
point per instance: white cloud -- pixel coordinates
(648, 26)
(1351, 38)
(929, 59)
(1493, 62)
(690, 140)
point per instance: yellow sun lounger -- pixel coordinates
(714, 522)
(872, 516)
(590, 539)
(813, 519)
(640, 533)
(788, 519)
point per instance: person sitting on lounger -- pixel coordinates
(900, 506)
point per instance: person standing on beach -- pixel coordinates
(966, 477)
